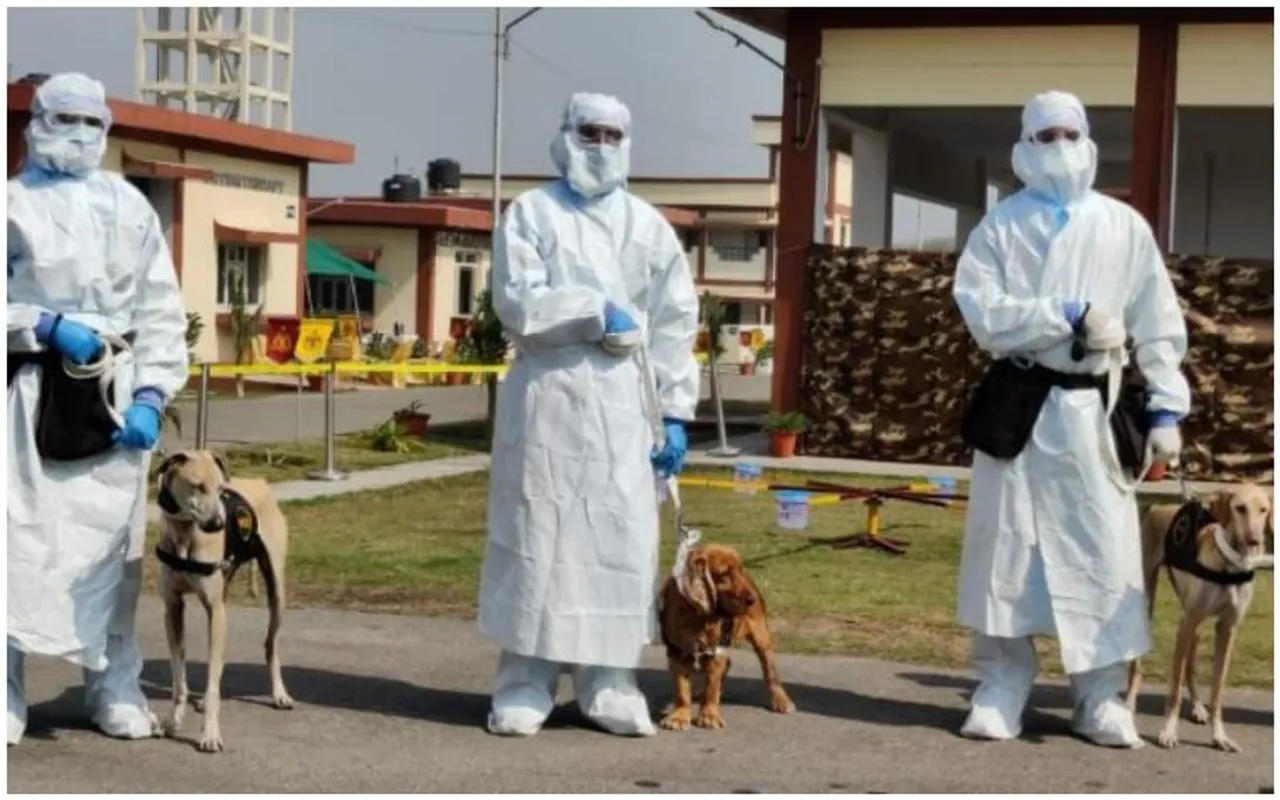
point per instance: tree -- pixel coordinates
(485, 342)
(245, 326)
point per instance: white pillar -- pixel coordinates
(821, 179)
(872, 193)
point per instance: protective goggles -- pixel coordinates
(1051, 135)
(589, 133)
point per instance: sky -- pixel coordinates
(409, 85)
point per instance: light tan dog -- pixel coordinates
(1210, 562)
(214, 525)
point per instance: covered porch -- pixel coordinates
(927, 104)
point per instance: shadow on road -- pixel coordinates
(367, 693)
(1150, 703)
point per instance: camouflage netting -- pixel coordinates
(889, 366)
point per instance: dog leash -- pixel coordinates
(104, 369)
(688, 537)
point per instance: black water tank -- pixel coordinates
(444, 175)
(401, 188)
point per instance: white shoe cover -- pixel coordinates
(1098, 714)
(17, 711)
(1006, 671)
(987, 723)
(610, 698)
(524, 695)
(114, 696)
(126, 721)
(1109, 724)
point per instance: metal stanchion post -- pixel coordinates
(330, 471)
(725, 450)
(202, 409)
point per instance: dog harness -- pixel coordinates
(241, 538)
(1180, 546)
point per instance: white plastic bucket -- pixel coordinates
(747, 477)
(792, 510)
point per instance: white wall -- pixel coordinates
(1225, 200)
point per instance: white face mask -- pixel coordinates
(76, 149)
(1062, 171)
(593, 170)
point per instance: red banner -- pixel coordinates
(282, 337)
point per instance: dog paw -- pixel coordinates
(1225, 744)
(282, 701)
(1168, 738)
(781, 704)
(709, 718)
(170, 727)
(1199, 714)
(677, 720)
(197, 703)
(211, 742)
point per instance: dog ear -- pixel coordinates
(221, 461)
(698, 588)
(1220, 507)
(169, 463)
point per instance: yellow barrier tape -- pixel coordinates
(344, 367)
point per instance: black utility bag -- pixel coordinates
(1006, 404)
(1130, 420)
(72, 419)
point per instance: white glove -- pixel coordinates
(1165, 445)
(621, 344)
(1102, 331)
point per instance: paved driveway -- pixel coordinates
(396, 704)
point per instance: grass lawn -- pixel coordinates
(417, 549)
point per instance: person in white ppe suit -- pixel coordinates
(584, 272)
(1051, 543)
(87, 262)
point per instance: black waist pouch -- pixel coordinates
(1130, 422)
(1003, 409)
(72, 419)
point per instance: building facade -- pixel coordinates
(927, 101)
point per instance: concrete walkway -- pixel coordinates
(397, 704)
(755, 448)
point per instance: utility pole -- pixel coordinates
(501, 51)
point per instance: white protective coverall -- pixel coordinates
(84, 243)
(572, 554)
(1051, 541)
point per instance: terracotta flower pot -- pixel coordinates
(414, 423)
(456, 378)
(782, 444)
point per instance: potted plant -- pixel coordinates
(413, 421)
(784, 428)
(713, 320)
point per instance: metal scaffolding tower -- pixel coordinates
(234, 63)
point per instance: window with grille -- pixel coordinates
(243, 265)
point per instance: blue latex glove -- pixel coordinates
(142, 420)
(670, 459)
(1073, 310)
(79, 343)
(1163, 419)
(616, 320)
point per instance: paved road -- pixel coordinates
(288, 416)
(395, 704)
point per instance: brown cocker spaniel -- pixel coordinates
(720, 605)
